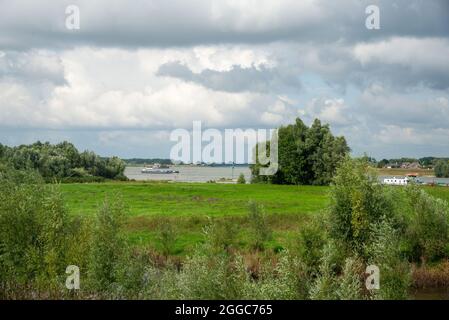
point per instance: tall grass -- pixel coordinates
(260, 230)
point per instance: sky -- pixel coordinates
(134, 71)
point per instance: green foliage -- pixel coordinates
(210, 273)
(442, 169)
(311, 241)
(79, 238)
(220, 235)
(206, 277)
(350, 283)
(261, 232)
(307, 156)
(215, 273)
(382, 163)
(241, 179)
(62, 161)
(133, 278)
(108, 246)
(167, 237)
(2, 150)
(368, 218)
(325, 285)
(335, 283)
(33, 230)
(384, 251)
(366, 224)
(85, 179)
(428, 230)
(357, 201)
(288, 279)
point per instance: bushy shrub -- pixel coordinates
(79, 239)
(429, 226)
(210, 277)
(33, 230)
(261, 232)
(241, 179)
(357, 201)
(337, 279)
(442, 169)
(311, 240)
(108, 246)
(384, 251)
(167, 237)
(132, 276)
(220, 235)
(286, 279)
(350, 287)
(325, 285)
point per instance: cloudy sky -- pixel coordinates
(135, 70)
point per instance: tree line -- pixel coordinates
(62, 162)
(426, 162)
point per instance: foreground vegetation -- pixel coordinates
(338, 232)
(188, 207)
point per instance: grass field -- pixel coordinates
(188, 207)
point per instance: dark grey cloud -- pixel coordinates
(425, 110)
(139, 23)
(237, 79)
(328, 27)
(398, 62)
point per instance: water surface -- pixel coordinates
(204, 174)
(191, 173)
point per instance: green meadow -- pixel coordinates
(189, 207)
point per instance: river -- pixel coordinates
(204, 174)
(191, 173)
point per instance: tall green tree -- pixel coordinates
(442, 169)
(307, 156)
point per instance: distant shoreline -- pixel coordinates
(134, 165)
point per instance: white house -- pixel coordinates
(397, 181)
